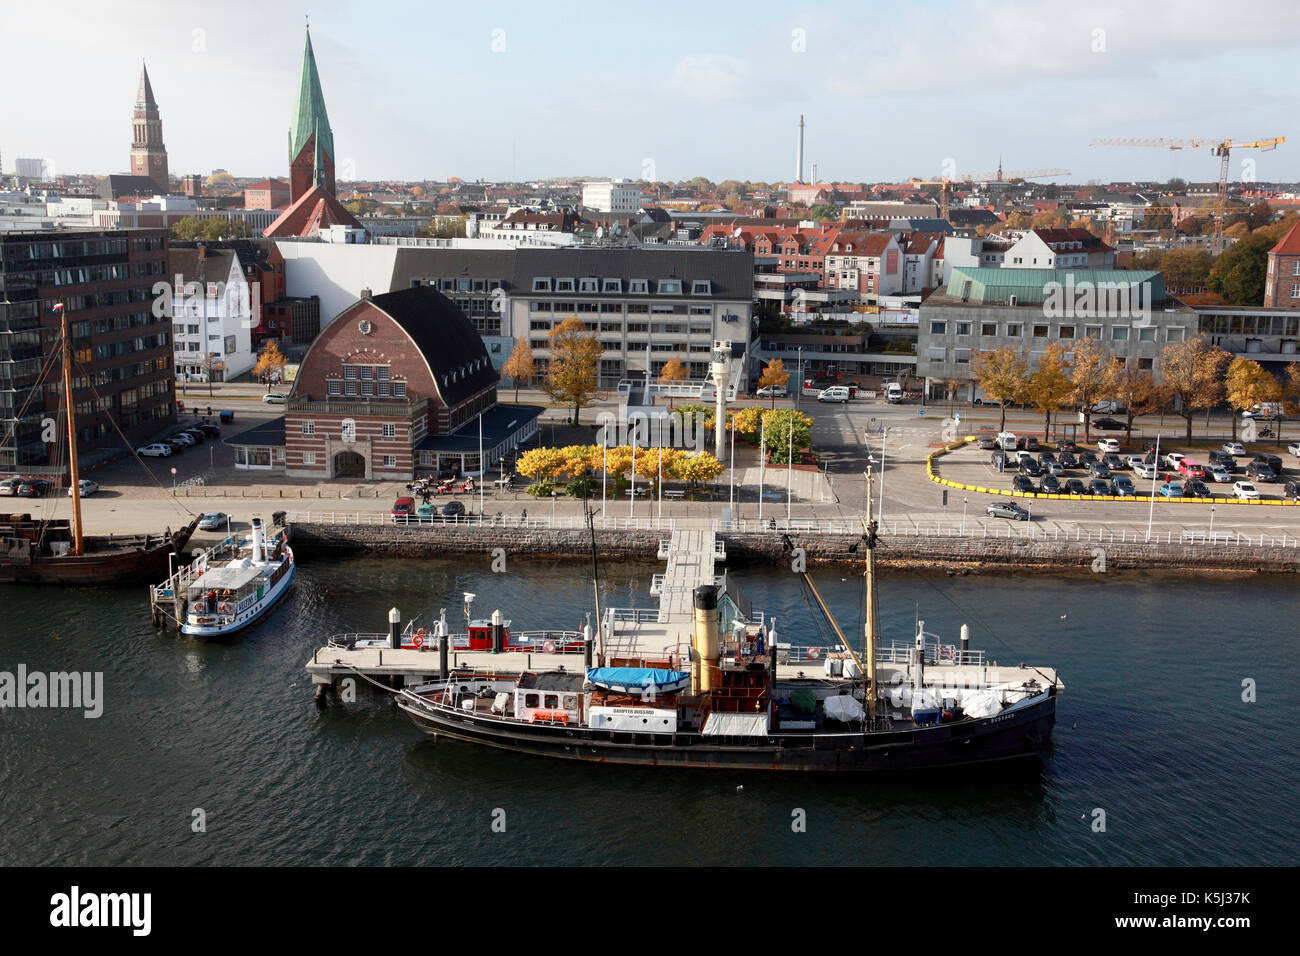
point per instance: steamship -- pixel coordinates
(738, 698)
(226, 599)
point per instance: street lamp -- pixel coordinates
(554, 494)
(799, 389)
(963, 515)
(1211, 522)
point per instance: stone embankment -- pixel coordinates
(959, 553)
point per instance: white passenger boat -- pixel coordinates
(226, 599)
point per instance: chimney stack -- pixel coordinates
(203, 251)
(798, 154)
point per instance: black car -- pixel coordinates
(1108, 425)
(1099, 469)
(1030, 467)
(1114, 462)
(1292, 489)
(1075, 487)
(1196, 489)
(1099, 487)
(1050, 485)
(1260, 471)
(1022, 485)
(1068, 460)
(1031, 443)
(212, 431)
(1273, 462)
(1087, 459)
(1045, 457)
(1066, 445)
(453, 509)
(33, 488)
(1223, 460)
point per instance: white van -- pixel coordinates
(1007, 441)
(836, 393)
(893, 392)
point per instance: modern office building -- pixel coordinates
(122, 377)
(612, 196)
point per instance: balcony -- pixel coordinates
(337, 405)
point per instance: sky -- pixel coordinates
(666, 91)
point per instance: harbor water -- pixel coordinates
(216, 754)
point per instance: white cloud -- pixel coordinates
(710, 79)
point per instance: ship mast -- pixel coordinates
(869, 616)
(75, 474)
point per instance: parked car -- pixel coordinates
(1170, 489)
(1260, 471)
(1007, 441)
(1099, 487)
(1273, 462)
(275, 398)
(185, 438)
(1197, 489)
(1054, 468)
(1030, 467)
(1191, 469)
(1292, 489)
(1115, 463)
(1075, 487)
(1108, 444)
(33, 488)
(1030, 443)
(1046, 457)
(9, 486)
(986, 443)
(212, 431)
(1245, 490)
(998, 459)
(1219, 474)
(1123, 487)
(453, 509)
(86, 486)
(175, 443)
(1023, 485)
(1108, 407)
(155, 450)
(1132, 461)
(214, 521)
(198, 434)
(1145, 470)
(1050, 485)
(1172, 459)
(1224, 460)
(403, 507)
(1233, 448)
(836, 393)
(1099, 469)
(1108, 425)
(1006, 509)
(1066, 445)
(1294, 448)
(1068, 460)
(772, 391)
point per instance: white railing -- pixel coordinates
(936, 654)
(559, 522)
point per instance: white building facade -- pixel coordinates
(612, 196)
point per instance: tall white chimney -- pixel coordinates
(798, 154)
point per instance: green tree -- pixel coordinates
(777, 424)
(1239, 274)
(1185, 268)
(825, 212)
(1003, 375)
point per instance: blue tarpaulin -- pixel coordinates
(635, 680)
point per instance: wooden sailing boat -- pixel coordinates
(56, 551)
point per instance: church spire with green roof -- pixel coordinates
(311, 141)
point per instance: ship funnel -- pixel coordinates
(498, 632)
(965, 640)
(443, 640)
(394, 627)
(918, 658)
(259, 542)
(706, 637)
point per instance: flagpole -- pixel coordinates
(482, 468)
(789, 472)
(762, 460)
(604, 469)
(731, 494)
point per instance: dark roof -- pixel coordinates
(116, 185)
(972, 217)
(499, 423)
(268, 434)
(250, 251)
(445, 337)
(214, 266)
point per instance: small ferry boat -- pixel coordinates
(733, 697)
(488, 635)
(226, 599)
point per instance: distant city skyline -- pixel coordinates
(520, 91)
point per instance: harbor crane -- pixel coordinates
(1219, 147)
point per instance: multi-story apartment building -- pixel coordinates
(612, 196)
(212, 313)
(1282, 284)
(122, 375)
(1129, 312)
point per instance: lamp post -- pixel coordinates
(799, 390)
(1211, 522)
(789, 473)
(1155, 478)
(604, 469)
(554, 494)
(963, 515)
(731, 493)
(762, 461)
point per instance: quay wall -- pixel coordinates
(911, 552)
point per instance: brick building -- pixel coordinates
(1282, 285)
(148, 154)
(122, 377)
(395, 385)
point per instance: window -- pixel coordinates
(588, 285)
(309, 458)
(1040, 331)
(541, 285)
(961, 356)
(937, 354)
(388, 430)
(938, 328)
(639, 286)
(1119, 333)
(1146, 335)
(669, 287)
(704, 287)
(963, 328)
(389, 461)
(1015, 329)
(334, 387)
(1295, 268)
(1067, 332)
(563, 285)
(611, 285)
(399, 390)
(1175, 334)
(1146, 363)
(531, 700)
(989, 328)
(1295, 288)
(308, 429)
(1092, 332)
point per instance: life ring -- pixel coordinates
(814, 653)
(223, 608)
(549, 647)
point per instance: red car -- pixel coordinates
(1191, 469)
(404, 507)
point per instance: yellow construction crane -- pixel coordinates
(1219, 147)
(945, 184)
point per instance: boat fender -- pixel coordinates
(224, 608)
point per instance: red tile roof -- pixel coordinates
(316, 209)
(1289, 245)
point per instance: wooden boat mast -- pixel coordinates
(75, 473)
(869, 615)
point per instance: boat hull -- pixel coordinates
(1020, 731)
(108, 561)
(250, 615)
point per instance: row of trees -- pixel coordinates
(1195, 376)
(579, 462)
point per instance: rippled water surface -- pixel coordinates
(1152, 729)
